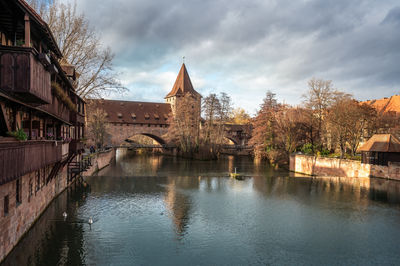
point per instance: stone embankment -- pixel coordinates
(100, 160)
(320, 166)
(28, 202)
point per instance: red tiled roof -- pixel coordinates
(386, 105)
(381, 143)
(182, 84)
(134, 112)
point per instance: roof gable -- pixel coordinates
(381, 143)
(386, 105)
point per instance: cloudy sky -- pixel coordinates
(247, 47)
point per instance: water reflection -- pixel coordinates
(53, 241)
(192, 212)
(359, 190)
(179, 204)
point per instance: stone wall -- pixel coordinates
(120, 132)
(100, 160)
(22, 215)
(320, 166)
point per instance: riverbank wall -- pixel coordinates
(24, 201)
(23, 206)
(320, 166)
(100, 160)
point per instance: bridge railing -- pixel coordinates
(145, 146)
(237, 147)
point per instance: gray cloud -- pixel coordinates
(247, 47)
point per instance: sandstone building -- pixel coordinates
(129, 118)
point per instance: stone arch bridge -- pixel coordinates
(128, 118)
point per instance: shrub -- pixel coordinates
(19, 134)
(63, 96)
(307, 149)
(325, 152)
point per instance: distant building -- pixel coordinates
(388, 110)
(387, 105)
(380, 149)
(128, 118)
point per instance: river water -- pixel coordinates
(158, 210)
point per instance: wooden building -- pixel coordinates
(41, 119)
(380, 149)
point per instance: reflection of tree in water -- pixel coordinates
(140, 165)
(330, 189)
(52, 241)
(178, 203)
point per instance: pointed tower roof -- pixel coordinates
(182, 84)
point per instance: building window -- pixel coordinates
(18, 197)
(44, 177)
(6, 203)
(37, 181)
(30, 190)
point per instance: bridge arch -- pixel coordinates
(235, 142)
(158, 139)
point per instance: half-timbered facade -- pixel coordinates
(41, 120)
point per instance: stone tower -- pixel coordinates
(183, 87)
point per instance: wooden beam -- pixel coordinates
(27, 31)
(3, 113)
(14, 114)
(44, 128)
(54, 129)
(83, 131)
(30, 124)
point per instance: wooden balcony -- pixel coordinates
(76, 118)
(57, 108)
(22, 74)
(75, 146)
(18, 158)
(64, 150)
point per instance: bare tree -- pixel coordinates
(217, 113)
(81, 47)
(240, 116)
(97, 125)
(184, 125)
(347, 121)
(290, 129)
(263, 135)
(320, 96)
(211, 108)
